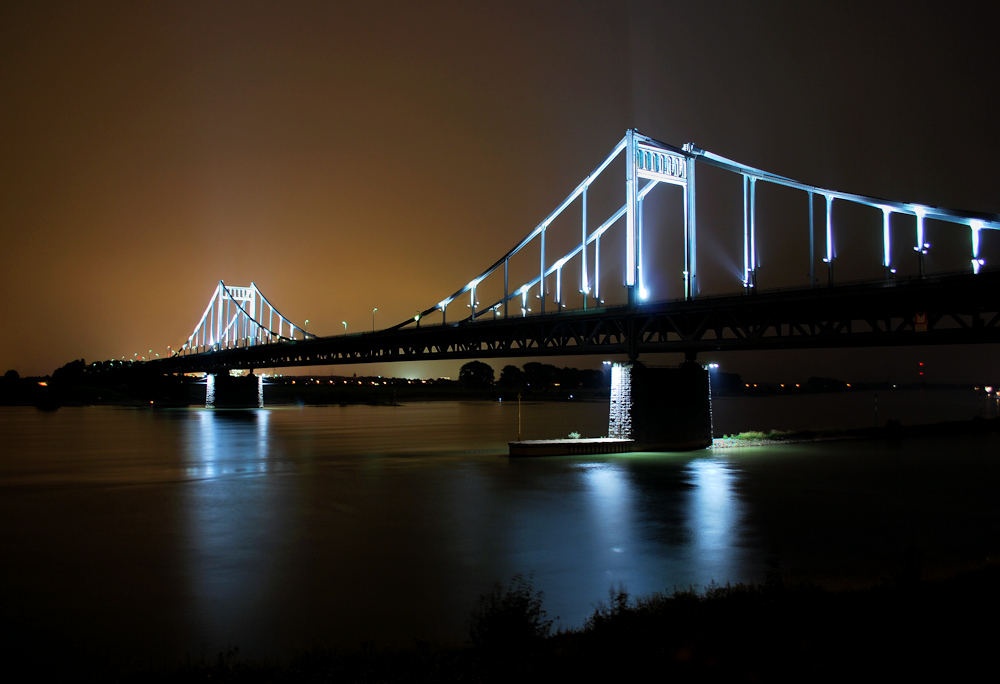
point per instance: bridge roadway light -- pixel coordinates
(373, 318)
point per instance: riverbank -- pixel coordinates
(891, 430)
(904, 627)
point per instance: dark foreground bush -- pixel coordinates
(510, 618)
(901, 630)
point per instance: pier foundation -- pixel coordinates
(227, 391)
(662, 409)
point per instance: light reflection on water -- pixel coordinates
(235, 521)
(221, 442)
(580, 528)
(714, 517)
(276, 529)
(610, 504)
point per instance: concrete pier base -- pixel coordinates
(226, 391)
(661, 409)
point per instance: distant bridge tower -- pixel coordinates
(235, 318)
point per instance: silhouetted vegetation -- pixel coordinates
(511, 378)
(125, 382)
(509, 618)
(904, 627)
(476, 375)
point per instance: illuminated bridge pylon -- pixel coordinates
(240, 317)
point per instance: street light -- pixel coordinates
(345, 326)
(305, 328)
(373, 318)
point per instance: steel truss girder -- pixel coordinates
(959, 310)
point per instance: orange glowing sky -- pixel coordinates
(346, 156)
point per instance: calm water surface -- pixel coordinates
(163, 533)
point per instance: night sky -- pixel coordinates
(346, 156)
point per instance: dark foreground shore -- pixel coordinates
(904, 627)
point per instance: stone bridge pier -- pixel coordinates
(662, 409)
(224, 390)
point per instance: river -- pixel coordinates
(157, 534)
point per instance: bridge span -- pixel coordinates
(241, 329)
(942, 309)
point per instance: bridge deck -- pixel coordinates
(952, 309)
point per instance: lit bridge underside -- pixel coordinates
(946, 309)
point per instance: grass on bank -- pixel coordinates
(890, 429)
(772, 631)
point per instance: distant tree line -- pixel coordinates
(532, 376)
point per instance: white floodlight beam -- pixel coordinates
(255, 329)
(219, 290)
(920, 213)
(886, 244)
(977, 263)
(753, 231)
(541, 276)
(506, 286)
(638, 257)
(749, 231)
(631, 174)
(829, 238)
(812, 242)
(597, 268)
(746, 234)
(690, 231)
(584, 286)
(921, 247)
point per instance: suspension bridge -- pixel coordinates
(241, 329)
